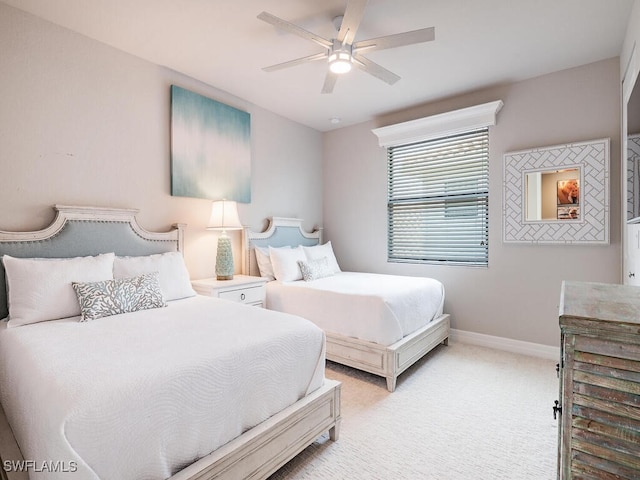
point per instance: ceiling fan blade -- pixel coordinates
(376, 70)
(297, 61)
(351, 21)
(397, 40)
(295, 29)
(329, 82)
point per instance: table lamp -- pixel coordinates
(224, 216)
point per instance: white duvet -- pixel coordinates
(372, 307)
(141, 395)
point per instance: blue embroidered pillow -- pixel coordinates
(121, 295)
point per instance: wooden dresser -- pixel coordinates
(599, 407)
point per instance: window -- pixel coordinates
(438, 200)
(439, 187)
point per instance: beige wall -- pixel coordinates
(517, 296)
(82, 123)
(632, 36)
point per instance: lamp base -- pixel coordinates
(224, 258)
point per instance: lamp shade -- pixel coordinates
(224, 216)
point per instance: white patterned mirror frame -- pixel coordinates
(592, 227)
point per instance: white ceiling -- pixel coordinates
(222, 43)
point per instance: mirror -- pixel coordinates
(633, 155)
(552, 195)
(557, 194)
(631, 171)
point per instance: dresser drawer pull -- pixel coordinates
(242, 296)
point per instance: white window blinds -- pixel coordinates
(438, 200)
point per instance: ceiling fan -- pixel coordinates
(341, 52)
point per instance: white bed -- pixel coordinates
(201, 388)
(381, 324)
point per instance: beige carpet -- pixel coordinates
(461, 413)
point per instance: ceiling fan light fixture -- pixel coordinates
(340, 62)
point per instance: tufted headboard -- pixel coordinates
(280, 233)
(82, 231)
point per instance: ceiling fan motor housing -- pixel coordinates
(340, 57)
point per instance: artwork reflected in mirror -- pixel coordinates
(568, 191)
(568, 199)
(568, 212)
(553, 195)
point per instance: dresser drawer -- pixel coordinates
(252, 295)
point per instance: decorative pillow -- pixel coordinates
(39, 289)
(174, 277)
(319, 251)
(314, 269)
(120, 295)
(264, 262)
(285, 263)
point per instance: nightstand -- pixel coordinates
(242, 289)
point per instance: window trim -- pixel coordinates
(441, 125)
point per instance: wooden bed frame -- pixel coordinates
(255, 454)
(385, 361)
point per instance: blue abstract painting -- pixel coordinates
(210, 148)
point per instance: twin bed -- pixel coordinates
(381, 324)
(188, 387)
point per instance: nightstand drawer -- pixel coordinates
(245, 295)
(241, 289)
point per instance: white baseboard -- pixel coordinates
(507, 344)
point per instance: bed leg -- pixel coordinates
(445, 342)
(334, 432)
(391, 383)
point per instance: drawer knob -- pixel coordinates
(632, 275)
(242, 296)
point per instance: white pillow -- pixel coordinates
(318, 251)
(174, 277)
(285, 263)
(39, 289)
(264, 262)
